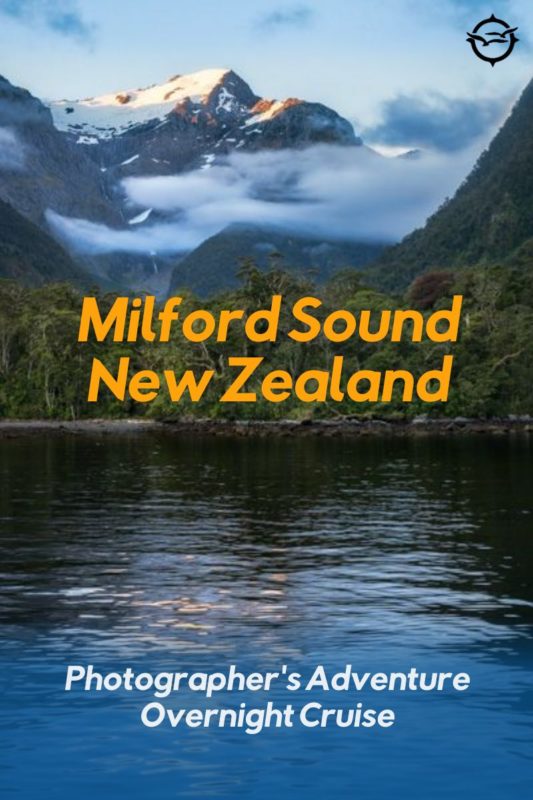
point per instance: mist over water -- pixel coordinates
(173, 553)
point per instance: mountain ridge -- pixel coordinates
(214, 264)
(487, 220)
(210, 113)
(190, 122)
(47, 170)
(30, 256)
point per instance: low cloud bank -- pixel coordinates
(324, 192)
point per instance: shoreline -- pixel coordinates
(331, 428)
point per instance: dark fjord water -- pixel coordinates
(172, 553)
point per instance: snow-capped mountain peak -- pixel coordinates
(210, 111)
(188, 124)
(112, 114)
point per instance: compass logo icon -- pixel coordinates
(492, 40)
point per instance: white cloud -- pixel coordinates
(324, 191)
(92, 237)
(12, 154)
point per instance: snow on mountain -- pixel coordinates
(190, 125)
(193, 114)
(140, 218)
(265, 110)
(113, 114)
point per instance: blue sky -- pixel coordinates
(374, 61)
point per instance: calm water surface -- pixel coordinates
(176, 553)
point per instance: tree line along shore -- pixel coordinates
(44, 370)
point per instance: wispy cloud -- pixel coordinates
(61, 16)
(436, 122)
(12, 151)
(329, 193)
(299, 16)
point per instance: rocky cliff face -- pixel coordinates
(39, 166)
(191, 121)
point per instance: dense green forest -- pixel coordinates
(44, 371)
(212, 265)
